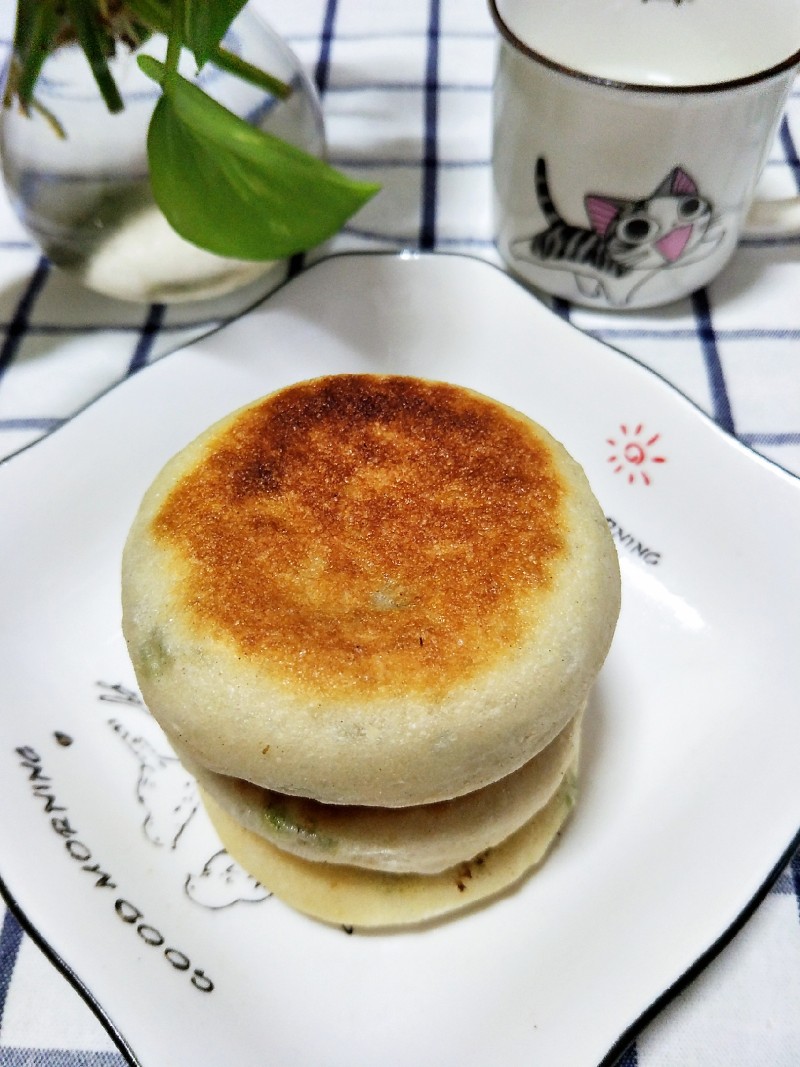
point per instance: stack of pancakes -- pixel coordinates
(367, 611)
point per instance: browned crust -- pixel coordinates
(359, 529)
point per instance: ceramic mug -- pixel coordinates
(629, 136)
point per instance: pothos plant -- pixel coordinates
(222, 184)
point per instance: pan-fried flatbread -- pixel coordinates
(369, 589)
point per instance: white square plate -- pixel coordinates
(690, 797)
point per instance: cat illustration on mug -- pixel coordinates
(628, 241)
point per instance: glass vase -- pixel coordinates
(77, 175)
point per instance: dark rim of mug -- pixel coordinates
(637, 87)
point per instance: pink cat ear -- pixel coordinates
(601, 212)
(680, 182)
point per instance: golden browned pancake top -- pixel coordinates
(358, 533)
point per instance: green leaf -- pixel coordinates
(205, 24)
(236, 190)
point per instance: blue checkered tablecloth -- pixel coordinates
(406, 90)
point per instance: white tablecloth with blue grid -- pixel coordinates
(406, 90)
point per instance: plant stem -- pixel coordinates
(93, 41)
(234, 64)
(175, 40)
(33, 39)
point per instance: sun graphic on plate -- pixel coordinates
(634, 452)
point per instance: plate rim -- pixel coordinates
(414, 256)
(91, 1000)
(610, 1059)
(695, 969)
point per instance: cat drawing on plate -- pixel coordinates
(628, 241)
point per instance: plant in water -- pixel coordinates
(221, 183)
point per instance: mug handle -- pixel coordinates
(773, 218)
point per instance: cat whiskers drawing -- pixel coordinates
(627, 241)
